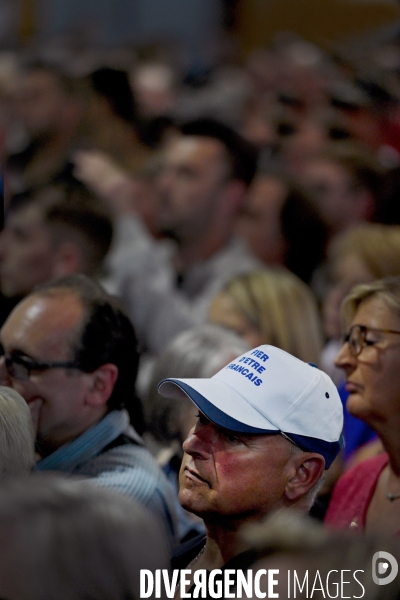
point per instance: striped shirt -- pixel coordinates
(128, 467)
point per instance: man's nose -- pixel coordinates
(164, 180)
(200, 441)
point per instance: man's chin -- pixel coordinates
(188, 500)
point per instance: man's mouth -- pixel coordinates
(194, 476)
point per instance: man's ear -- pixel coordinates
(102, 384)
(308, 468)
(67, 259)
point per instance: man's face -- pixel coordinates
(26, 252)
(45, 329)
(260, 223)
(332, 189)
(190, 184)
(231, 475)
(38, 102)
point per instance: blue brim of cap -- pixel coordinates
(329, 450)
(214, 414)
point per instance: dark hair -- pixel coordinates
(241, 154)
(305, 234)
(106, 336)
(303, 229)
(69, 210)
(114, 86)
(363, 169)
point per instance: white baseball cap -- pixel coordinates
(268, 391)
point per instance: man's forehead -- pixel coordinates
(261, 437)
(189, 145)
(41, 318)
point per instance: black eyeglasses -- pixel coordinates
(21, 367)
(357, 337)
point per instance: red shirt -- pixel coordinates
(352, 494)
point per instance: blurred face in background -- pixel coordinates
(339, 200)
(259, 223)
(223, 311)
(38, 102)
(26, 252)
(191, 184)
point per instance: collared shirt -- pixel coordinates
(128, 468)
(141, 273)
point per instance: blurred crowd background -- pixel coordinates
(93, 92)
(229, 168)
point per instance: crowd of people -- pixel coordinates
(199, 317)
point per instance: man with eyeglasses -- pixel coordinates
(71, 352)
(268, 426)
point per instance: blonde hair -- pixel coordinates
(282, 308)
(376, 245)
(17, 440)
(387, 289)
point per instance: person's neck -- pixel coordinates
(49, 444)
(392, 447)
(389, 435)
(223, 542)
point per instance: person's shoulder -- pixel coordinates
(354, 480)
(353, 492)
(365, 468)
(128, 460)
(237, 253)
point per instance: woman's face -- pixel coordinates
(223, 311)
(373, 377)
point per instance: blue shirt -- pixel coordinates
(128, 468)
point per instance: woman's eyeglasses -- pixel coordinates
(356, 338)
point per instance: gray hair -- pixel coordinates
(198, 352)
(17, 439)
(387, 289)
(68, 538)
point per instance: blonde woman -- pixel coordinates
(271, 307)
(360, 255)
(367, 497)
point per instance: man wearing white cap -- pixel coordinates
(268, 426)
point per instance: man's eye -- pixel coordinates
(369, 342)
(202, 419)
(232, 437)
